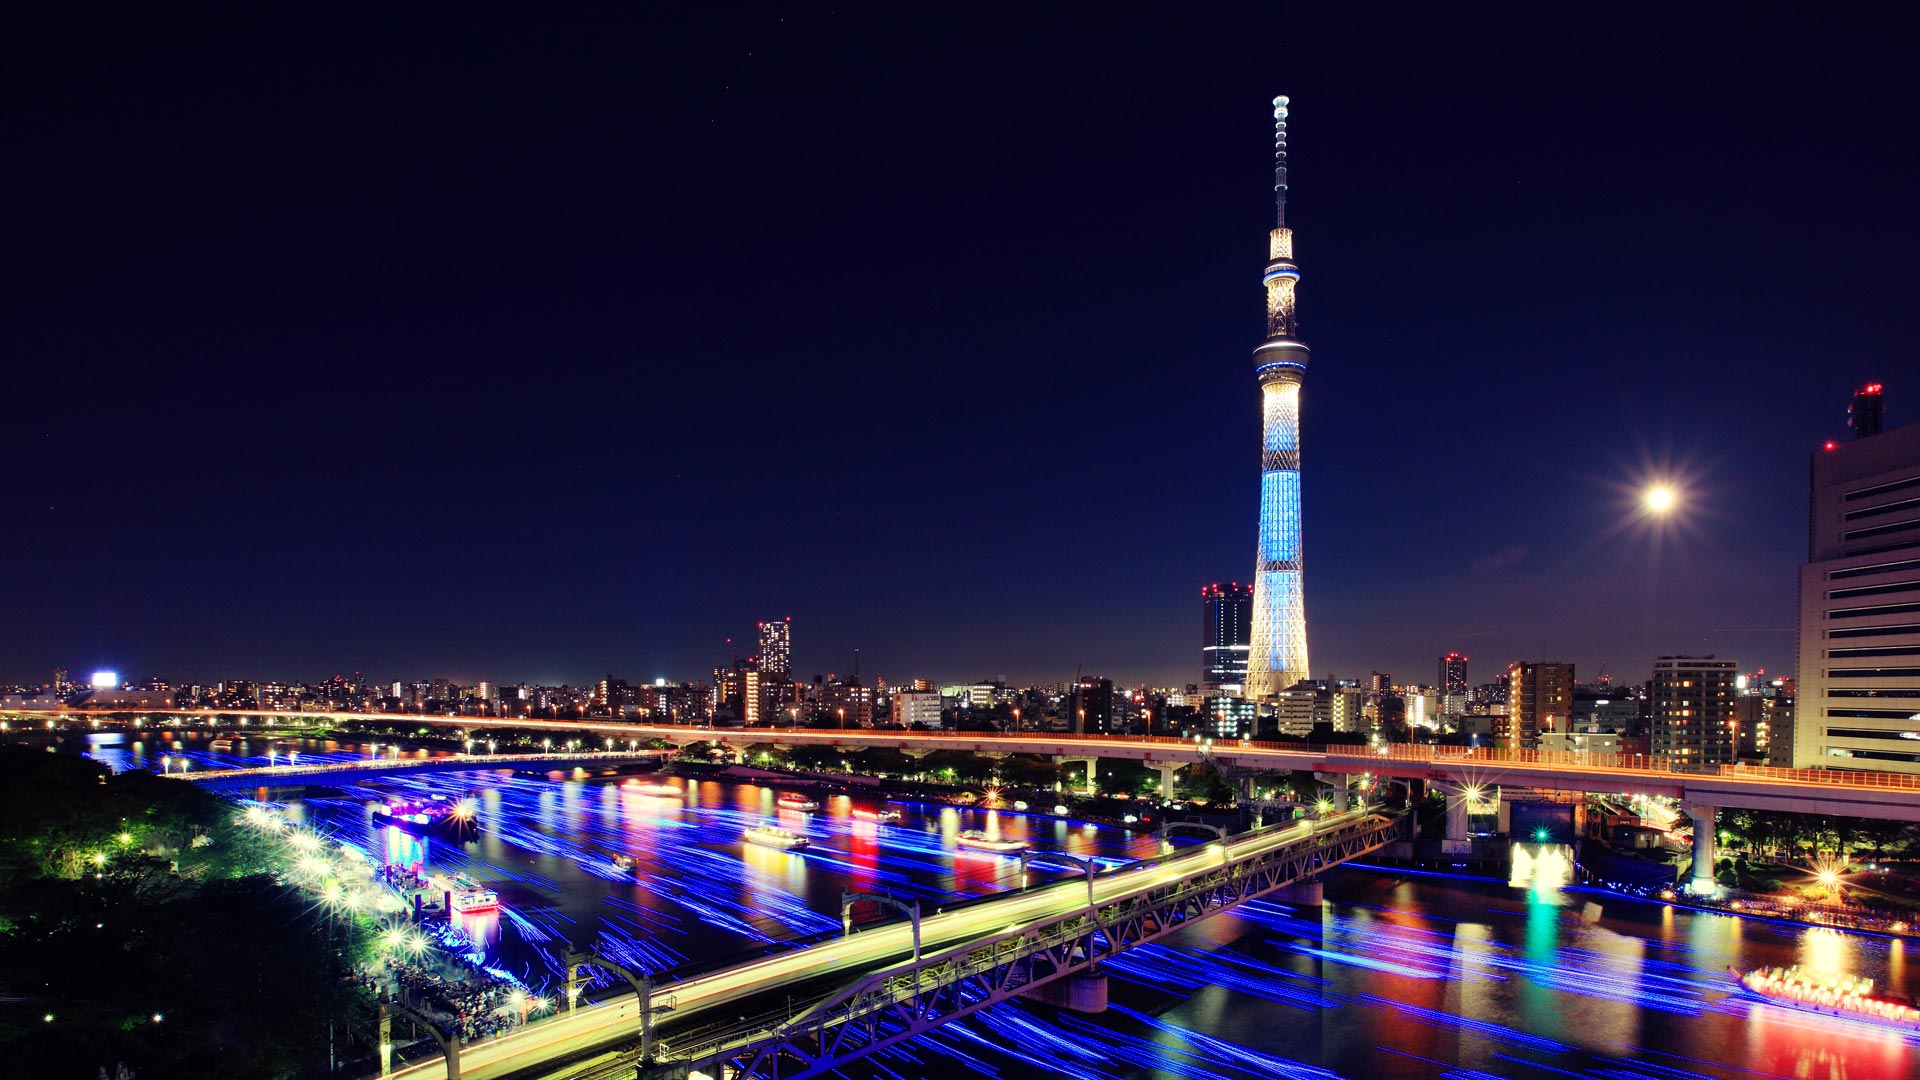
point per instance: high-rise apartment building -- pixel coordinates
(1225, 633)
(776, 648)
(1539, 699)
(1693, 709)
(1453, 684)
(1277, 646)
(1346, 708)
(1091, 706)
(1859, 644)
(1294, 708)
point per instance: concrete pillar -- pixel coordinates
(386, 1042)
(1704, 844)
(1081, 992)
(1459, 840)
(1309, 893)
(1340, 794)
(1168, 779)
(1091, 763)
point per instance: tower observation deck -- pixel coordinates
(1277, 655)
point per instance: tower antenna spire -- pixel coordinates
(1280, 160)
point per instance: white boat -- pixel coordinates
(651, 789)
(775, 836)
(623, 862)
(978, 840)
(791, 801)
(468, 901)
(882, 816)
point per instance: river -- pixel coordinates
(1399, 975)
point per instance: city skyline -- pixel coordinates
(470, 415)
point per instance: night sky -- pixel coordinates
(489, 348)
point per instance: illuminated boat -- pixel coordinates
(978, 840)
(775, 836)
(623, 862)
(419, 817)
(651, 789)
(1833, 995)
(476, 899)
(791, 801)
(882, 816)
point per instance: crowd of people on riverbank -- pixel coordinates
(474, 1005)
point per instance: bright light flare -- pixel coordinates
(1660, 499)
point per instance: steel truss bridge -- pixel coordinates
(899, 1001)
(882, 985)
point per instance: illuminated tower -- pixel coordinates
(1277, 657)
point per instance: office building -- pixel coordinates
(1859, 628)
(1225, 717)
(1225, 629)
(911, 707)
(1277, 648)
(1693, 709)
(1539, 699)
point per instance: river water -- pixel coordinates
(1399, 975)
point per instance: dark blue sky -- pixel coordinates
(487, 347)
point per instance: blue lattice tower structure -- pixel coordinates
(1277, 656)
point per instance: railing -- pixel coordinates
(477, 761)
(1394, 752)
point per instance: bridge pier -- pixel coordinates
(1705, 843)
(1168, 777)
(1342, 794)
(1092, 764)
(1311, 892)
(1082, 992)
(1458, 839)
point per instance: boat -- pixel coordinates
(476, 899)
(978, 840)
(623, 862)
(791, 801)
(418, 817)
(650, 789)
(1831, 995)
(775, 836)
(883, 816)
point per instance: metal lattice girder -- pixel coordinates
(907, 999)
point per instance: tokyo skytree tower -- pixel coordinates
(1277, 657)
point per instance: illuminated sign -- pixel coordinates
(105, 680)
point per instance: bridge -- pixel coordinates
(271, 775)
(810, 1011)
(1459, 773)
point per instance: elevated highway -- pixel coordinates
(270, 775)
(1846, 793)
